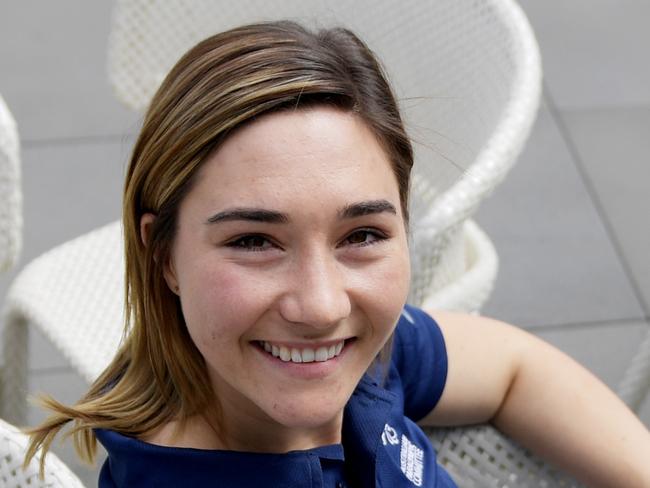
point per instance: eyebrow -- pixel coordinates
(272, 217)
(366, 208)
(249, 214)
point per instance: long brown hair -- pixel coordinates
(222, 83)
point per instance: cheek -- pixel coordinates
(391, 276)
(219, 304)
(383, 290)
(396, 287)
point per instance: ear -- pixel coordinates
(146, 224)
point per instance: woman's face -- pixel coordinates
(292, 268)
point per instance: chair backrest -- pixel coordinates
(467, 74)
(10, 193)
(13, 445)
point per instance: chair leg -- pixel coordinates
(13, 406)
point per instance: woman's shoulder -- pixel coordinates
(415, 324)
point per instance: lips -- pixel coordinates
(302, 354)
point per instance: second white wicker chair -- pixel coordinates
(13, 445)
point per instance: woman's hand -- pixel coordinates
(543, 399)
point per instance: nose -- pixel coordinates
(317, 295)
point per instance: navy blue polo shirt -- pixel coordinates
(381, 444)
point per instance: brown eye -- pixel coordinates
(364, 237)
(251, 243)
(358, 237)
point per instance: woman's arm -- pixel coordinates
(543, 399)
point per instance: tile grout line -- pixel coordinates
(593, 194)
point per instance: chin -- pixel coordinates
(307, 415)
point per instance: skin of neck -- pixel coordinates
(248, 429)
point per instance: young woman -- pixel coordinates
(269, 344)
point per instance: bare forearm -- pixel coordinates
(541, 398)
(561, 411)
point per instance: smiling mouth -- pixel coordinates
(303, 354)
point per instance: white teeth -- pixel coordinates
(296, 357)
(285, 355)
(321, 354)
(306, 355)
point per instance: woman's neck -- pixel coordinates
(251, 435)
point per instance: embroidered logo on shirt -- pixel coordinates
(411, 457)
(389, 436)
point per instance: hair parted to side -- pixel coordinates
(221, 84)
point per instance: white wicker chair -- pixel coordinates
(74, 294)
(474, 67)
(10, 201)
(477, 64)
(13, 445)
(10, 193)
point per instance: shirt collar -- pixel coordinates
(364, 419)
(363, 422)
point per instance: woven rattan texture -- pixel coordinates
(13, 444)
(91, 290)
(10, 192)
(481, 457)
(472, 287)
(74, 295)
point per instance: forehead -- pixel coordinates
(306, 152)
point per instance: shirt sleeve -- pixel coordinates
(420, 358)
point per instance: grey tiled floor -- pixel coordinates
(570, 223)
